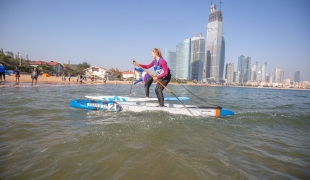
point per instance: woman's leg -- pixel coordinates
(159, 89)
(147, 86)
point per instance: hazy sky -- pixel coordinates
(112, 33)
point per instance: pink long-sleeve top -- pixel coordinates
(162, 65)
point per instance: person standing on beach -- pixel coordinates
(34, 75)
(69, 76)
(148, 80)
(2, 72)
(63, 77)
(17, 74)
(162, 73)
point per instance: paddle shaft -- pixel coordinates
(162, 85)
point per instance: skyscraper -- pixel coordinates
(170, 57)
(197, 57)
(229, 75)
(254, 71)
(297, 76)
(183, 53)
(215, 46)
(278, 75)
(264, 69)
(244, 67)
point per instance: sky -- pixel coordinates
(111, 34)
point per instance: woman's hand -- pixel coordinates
(155, 78)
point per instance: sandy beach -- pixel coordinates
(25, 79)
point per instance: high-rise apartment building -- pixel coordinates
(170, 57)
(183, 53)
(215, 46)
(229, 75)
(197, 57)
(297, 77)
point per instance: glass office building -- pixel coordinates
(197, 57)
(215, 46)
(183, 53)
(278, 75)
(170, 57)
(297, 76)
(229, 75)
(244, 67)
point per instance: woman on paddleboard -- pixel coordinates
(162, 73)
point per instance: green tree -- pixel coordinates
(81, 67)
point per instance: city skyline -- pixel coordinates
(112, 34)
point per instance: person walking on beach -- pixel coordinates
(69, 76)
(2, 72)
(148, 80)
(34, 76)
(162, 73)
(79, 78)
(63, 77)
(17, 74)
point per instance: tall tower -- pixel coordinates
(197, 57)
(215, 46)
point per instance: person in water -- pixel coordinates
(148, 80)
(162, 73)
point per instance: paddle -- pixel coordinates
(134, 77)
(137, 64)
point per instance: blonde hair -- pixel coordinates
(157, 52)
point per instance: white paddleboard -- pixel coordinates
(133, 99)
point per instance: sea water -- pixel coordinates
(43, 138)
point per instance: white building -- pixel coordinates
(95, 71)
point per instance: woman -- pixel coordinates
(147, 79)
(162, 73)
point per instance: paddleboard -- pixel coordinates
(113, 106)
(133, 99)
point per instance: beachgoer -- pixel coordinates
(148, 80)
(17, 74)
(81, 78)
(104, 80)
(2, 72)
(162, 73)
(34, 75)
(69, 76)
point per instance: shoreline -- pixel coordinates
(25, 81)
